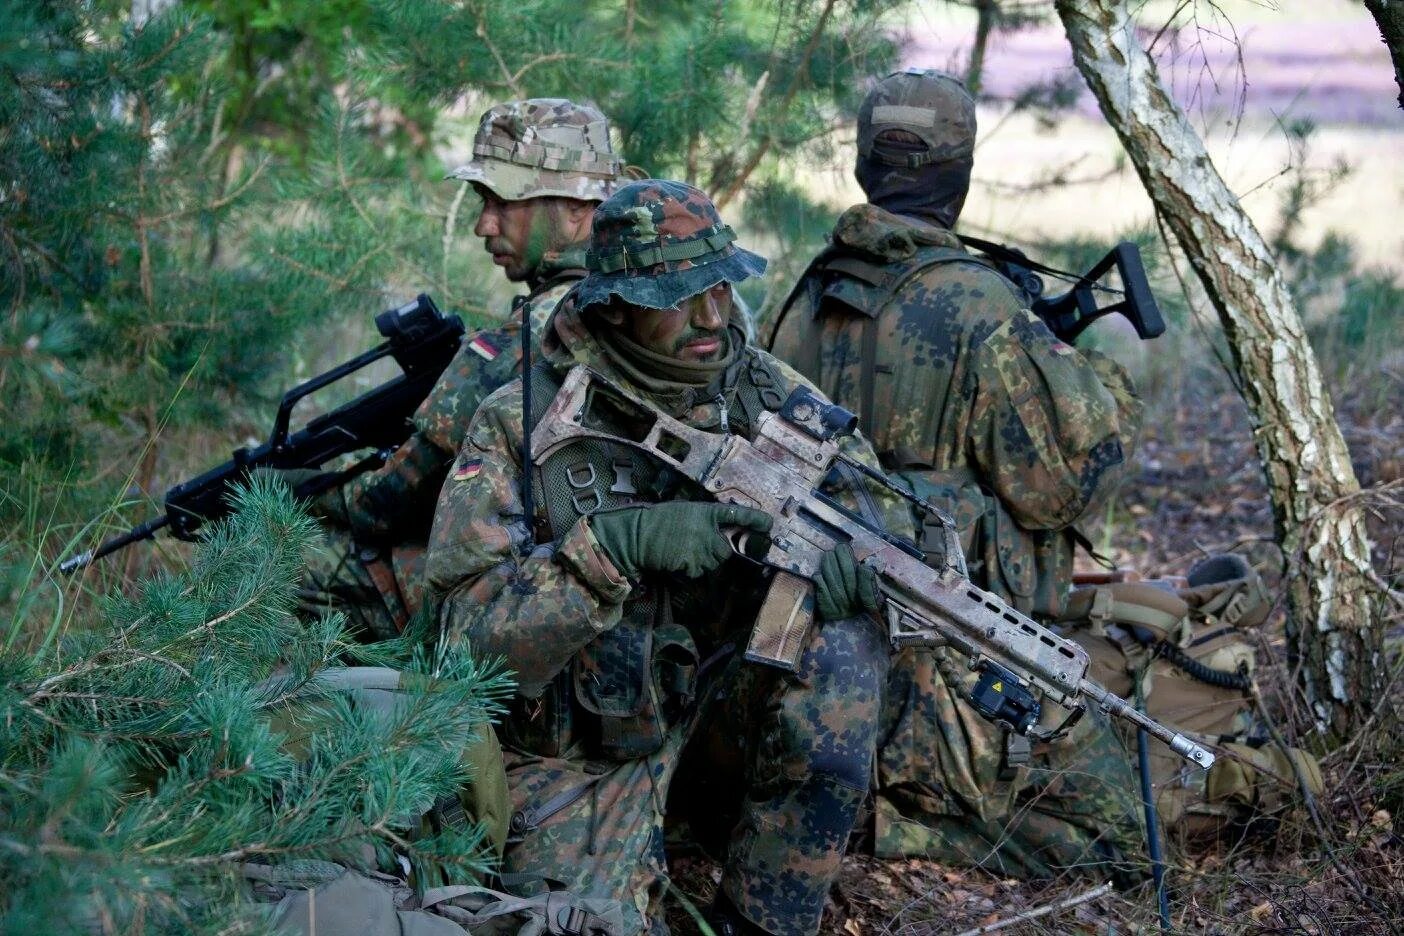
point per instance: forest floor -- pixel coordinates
(1199, 490)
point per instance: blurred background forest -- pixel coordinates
(203, 202)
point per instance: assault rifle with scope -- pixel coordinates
(420, 338)
(1021, 663)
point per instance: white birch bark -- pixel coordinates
(143, 10)
(1333, 630)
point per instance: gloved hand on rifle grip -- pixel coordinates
(679, 536)
(844, 587)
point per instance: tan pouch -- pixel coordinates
(1261, 778)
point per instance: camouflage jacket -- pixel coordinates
(396, 501)
(969, 394)
(578, 634)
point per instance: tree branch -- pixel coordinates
(791, 90)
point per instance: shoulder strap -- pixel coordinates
(885, 281)
(545, 383)
(808, 282)
(867, 376)
(539, 386)
(568, 275)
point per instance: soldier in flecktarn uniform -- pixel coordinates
(540, 166)
(972, 401)
(621, 606)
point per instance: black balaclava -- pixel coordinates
(916, 144)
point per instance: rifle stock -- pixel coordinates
(1069, 314)
(1020, 661)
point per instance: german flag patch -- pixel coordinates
(466, 469)
(483, 348)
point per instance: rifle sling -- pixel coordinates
(1009, 255)
(383, 577)
(867, 375)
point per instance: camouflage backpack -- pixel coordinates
(1189, 649)
(325, 898)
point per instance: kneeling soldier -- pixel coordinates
(539, 166)
(620, 604)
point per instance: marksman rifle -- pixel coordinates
(420, 338)
(1019, 661)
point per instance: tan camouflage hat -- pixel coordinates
(543, 147)
(925, 102)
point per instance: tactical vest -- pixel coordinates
(630, 684)
(863, 286)
(1028, 568)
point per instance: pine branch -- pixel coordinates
(132, 796)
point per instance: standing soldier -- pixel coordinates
(620, 604)
(970, 398)
(540, 166)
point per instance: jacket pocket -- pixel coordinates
(633, 682)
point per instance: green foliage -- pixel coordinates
(144, 759)
(787, 217)
(708, 92)
(1348, 310)
(190, 195)
(164, 250)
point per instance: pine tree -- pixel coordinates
(186, 197)
(193, 195)
(163, 252)
(143, 759)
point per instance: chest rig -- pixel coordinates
(630, 684)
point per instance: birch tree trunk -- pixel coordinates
(1333, 632)
(1389, 16)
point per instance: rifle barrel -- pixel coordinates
(1115, 705)
(85, 559)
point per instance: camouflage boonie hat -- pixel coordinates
(930, 104)
(543, 147)
(655, 243)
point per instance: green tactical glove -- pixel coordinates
(680, 536)
(844, 587)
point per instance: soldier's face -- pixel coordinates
(518, 234)
(693, 330)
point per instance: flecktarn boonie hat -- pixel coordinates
(930, 104)
(655, 243)
(543, 147)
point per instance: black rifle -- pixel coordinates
(420, 338)
(1068, 314)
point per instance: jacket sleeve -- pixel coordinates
(537, 609)
(399, 496)
(1130, 417)
(397, 500)
(1045, 432)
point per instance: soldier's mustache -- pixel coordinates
(498, 245)
(698, 334)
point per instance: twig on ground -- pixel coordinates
(1044, 910)
(1309, 799)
